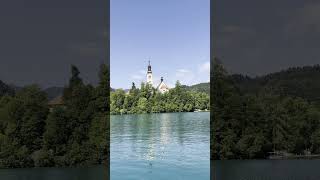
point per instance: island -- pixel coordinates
(160, 98)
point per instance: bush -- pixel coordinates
(43, 158)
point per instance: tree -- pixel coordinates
(222, 94)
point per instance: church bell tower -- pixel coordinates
(149, 75)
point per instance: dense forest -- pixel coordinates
(34, 135)
(252, 117)
(148, 100)
(303, 82)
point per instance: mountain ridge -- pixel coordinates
(200, 87)
(303, 82)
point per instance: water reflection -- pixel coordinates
(79, 173)
(265, 170)
(148, 132)
(151, 143)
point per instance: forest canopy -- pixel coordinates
(32, 134)
(148, 100)
(253, 117)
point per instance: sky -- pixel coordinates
(39, 40)
(258, 37)
(173, 34)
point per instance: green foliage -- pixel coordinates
(43, 158)
(202, 87)
(253, 117)
(70, 135)
(148, 100)
(57, 131)
(303, 82)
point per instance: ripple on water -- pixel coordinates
(160, 146)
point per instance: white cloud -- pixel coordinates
(138, 77)
(185, 76)
(182, 71)
(142, 72)
(204, 68)
(199, 74)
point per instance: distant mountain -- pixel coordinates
(15, 88)
(5, 89)
(303, 82)
(201, 87)
(125, 90)
(53, 92)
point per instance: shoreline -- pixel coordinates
(159, 113)
(63, 167)
(295, 157)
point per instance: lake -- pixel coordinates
(160, 146)
(266, 170)
(97, 172)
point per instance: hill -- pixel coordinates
(265, 117)
(303, 82)
(52, 92)
(201, 87)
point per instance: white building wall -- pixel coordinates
(149, 78)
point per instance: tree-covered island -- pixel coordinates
(148, 100)
(160, 98)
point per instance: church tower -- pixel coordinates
(149, 75)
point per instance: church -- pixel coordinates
(162, 87)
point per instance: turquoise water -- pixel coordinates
(160, 146)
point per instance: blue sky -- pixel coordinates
(173, 33)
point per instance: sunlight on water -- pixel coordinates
(160, 146)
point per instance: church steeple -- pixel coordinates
(149, 67)
(133, 86)
(149, 74)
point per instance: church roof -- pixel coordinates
(56, 101)
(162, 84)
